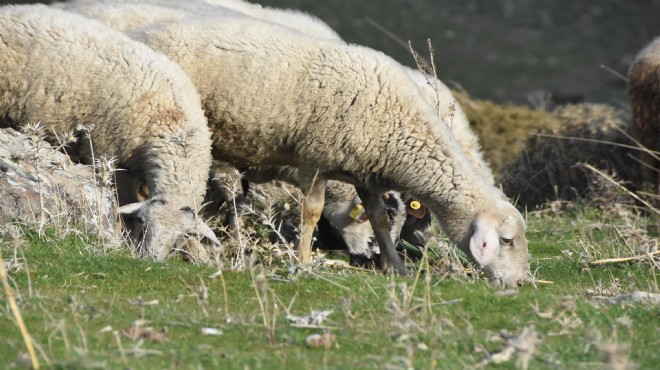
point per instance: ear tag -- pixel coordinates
(356, 211)
(415, 205)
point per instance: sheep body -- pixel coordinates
(644, 92)
(75, 74)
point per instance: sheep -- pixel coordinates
(124, 101)
(342, 112)
(644, 93)
(358, 237)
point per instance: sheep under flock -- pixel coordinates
(275, 96)
(77, 77)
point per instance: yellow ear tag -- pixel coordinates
(415, 205)
(355, 212)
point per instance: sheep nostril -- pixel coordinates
(520, 282)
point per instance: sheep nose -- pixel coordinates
(520, 282)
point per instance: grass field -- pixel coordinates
(90, 309)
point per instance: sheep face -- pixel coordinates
(161, 225)
(498, 244)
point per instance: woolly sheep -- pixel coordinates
(133, 104)
(644, 92)
(418, 223)
(341, 112)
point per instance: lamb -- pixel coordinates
(340, 112)
(644, 92)
(123, 100)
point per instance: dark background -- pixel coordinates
(505, 50)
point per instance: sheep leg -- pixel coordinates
(227, 181)
(314, 189)
(379, 223)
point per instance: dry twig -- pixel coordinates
(17, 315)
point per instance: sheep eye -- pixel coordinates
(506, 241)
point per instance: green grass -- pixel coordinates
(80, 305)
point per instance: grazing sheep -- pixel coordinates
(644, 91)
(417, 225)
(123, 99)
(340, 112)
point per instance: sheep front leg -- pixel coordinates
(314, 189)
(377, 214)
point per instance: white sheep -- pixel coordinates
(124, 100)
(357, 236)
(340, 112)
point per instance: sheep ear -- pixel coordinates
(206, 232)
(131, 208)
(485, 242)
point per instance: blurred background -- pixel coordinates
(506, 50)
(515, 51)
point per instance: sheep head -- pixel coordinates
(497, 243)
(161, 224)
